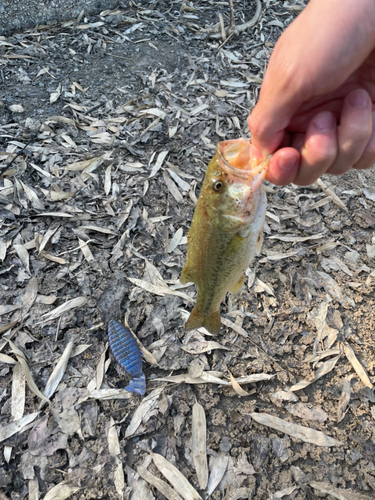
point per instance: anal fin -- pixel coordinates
(186, 276)
(237, 287)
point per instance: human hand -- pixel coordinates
(317, 102)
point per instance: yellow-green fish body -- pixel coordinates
(226, 231)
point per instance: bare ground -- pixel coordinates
(106, 127)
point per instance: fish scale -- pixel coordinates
(128, 355)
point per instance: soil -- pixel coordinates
(126, 91)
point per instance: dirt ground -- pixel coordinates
(107, 125)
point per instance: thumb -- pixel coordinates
(279, 99)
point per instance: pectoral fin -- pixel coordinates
(237, 287)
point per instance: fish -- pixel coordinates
(226, 231)
(128, 355)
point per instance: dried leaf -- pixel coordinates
(55, 95)
(283, 493)
(338, 493)
(4, 358)
(113, 441)
(297, 431)
(296, 239)
(63, 308)
(28, 299)
(174, 242)
(59, 370)
(18, 392)
(142, 410)
(301, 410)
(198, 347)
(61, 491)
(107, 180)
(30, 381)
(349, 353)
(6, 431)
(220, 464)
(159, 290)
(83, 245)
(207, 377)
(174, 476)
(325, 368)
(100, 369)
(198, 431)
(47, 236)
(157, 483)
(158, 164)
(119, 478)
(154, 112)
(172, 188)
(236, 386)
(23, 254)
(53, 258)
(6, 309)
(344, 400)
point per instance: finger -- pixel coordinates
(283, 166)
(319, 150)
(354, 131)
(296, 76)
(298, 141)
(367, 160)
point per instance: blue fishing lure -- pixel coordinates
(128, 355)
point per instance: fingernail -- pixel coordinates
(324, 122)
(358, 99)
(286, 164)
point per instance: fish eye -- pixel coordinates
(218, 186)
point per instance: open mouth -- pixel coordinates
(234, 158)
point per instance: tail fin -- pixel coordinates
(137, 385)
(210, 321)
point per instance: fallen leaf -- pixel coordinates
(297, 431)
(174, 476)
(199, 444)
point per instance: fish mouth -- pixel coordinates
(234, 158)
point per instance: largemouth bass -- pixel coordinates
(227, 230)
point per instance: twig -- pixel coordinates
(236, 30)
(329, 192)
(6, 167)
